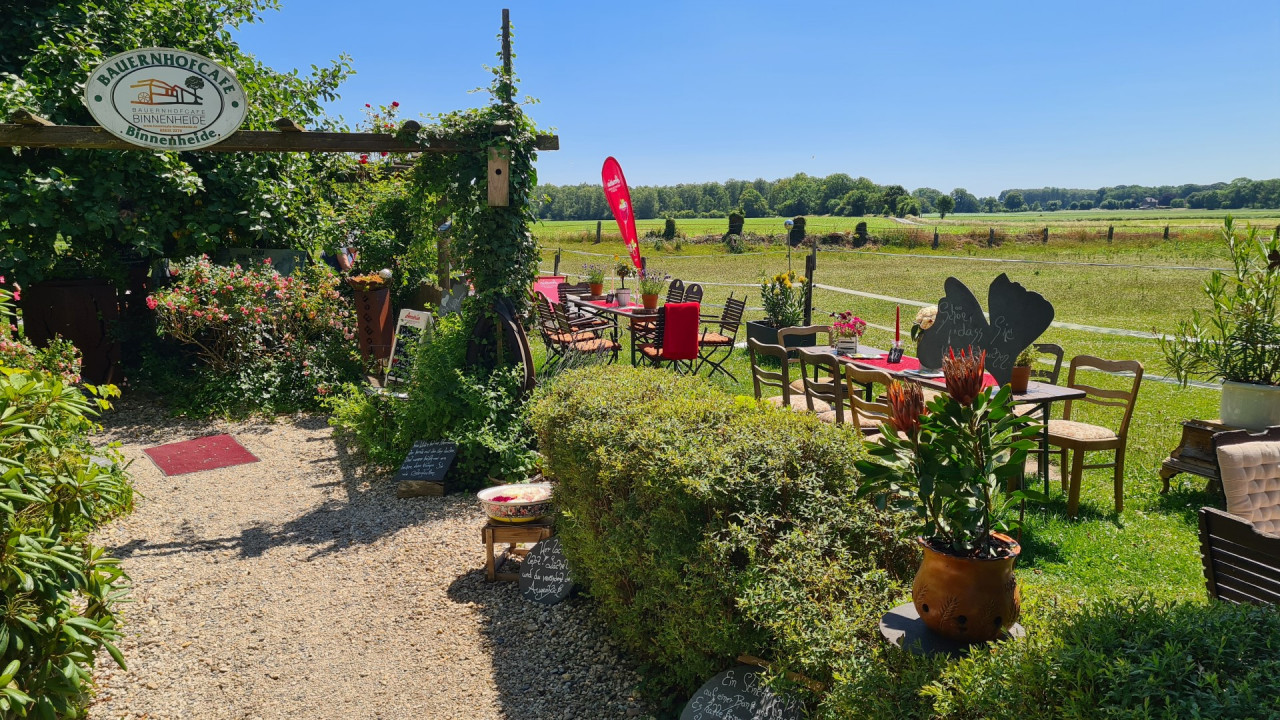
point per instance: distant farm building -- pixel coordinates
(1149, 204)
(159, 92)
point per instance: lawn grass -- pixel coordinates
(1153, 545)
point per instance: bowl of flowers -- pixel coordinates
(367, 283)
(522, 502)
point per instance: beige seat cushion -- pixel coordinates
(714, 338)
(798, 386)
(1073, 430)
(1028, 410)
(1251, 482)
(798, 403)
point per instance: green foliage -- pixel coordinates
(944, 205)
(700, 524)
(669, 229)
(1237, 339)
(951, 473)
(783, 299)
(58, 591)
(481, 412)
(734, 244)
(262, 341)
(652, 281)
(595, 274)
(87, 212)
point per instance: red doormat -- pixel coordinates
(206, 453)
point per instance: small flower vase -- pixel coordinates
(847, 345)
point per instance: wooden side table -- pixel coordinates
(1196, 453)
(512, 535)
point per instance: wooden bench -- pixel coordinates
(1241, 564)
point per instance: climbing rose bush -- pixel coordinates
(275, 341)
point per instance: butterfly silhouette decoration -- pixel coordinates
(1017, 318)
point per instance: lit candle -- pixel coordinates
(897, 324)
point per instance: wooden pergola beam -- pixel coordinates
(92, 137)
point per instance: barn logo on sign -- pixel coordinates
(165, 99)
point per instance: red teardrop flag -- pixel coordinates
(619, 199)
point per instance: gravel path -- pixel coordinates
(299, 587)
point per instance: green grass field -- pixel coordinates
(1153, 545)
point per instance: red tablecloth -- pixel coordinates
(910, 363)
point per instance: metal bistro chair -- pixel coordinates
(555, 340)
(712, 343)
(583, 343)
(675, 291)
(577, 316)
(828, 388)
(762, 377)
(1078, 437)
(675, 338)
(692, 293)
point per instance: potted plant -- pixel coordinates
(1021, 373)
(595, 278)
(652, 284)
(783, 299)
(949, 465)
(846, 331)
(1236, 340)
(623, 270)
(373, 313)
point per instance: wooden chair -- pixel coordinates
(1078, 437)
(549, 329)
(762, 377)
(672, 343)
(712, 343)
(798, 384)
(826, 386)
(579, 343)
(578, 317)
(692, 293)
(1241, 563)
(675, 291)
(867, 414)
(1249, 465)
(1048, 376)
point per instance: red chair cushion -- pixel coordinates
(680, 331)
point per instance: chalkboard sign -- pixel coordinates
(427, 461)
(738, 694)
(1017, 318)
(411, 328)
(544, 574)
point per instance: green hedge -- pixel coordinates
(706, 527)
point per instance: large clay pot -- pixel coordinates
(1019, 378)
(373, 323)
(82, 311)
(650, 301)
(1249, 406)
(967, 599)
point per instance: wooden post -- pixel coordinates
(1111, 232)
(991, 237)
(810, 265)
(1044, 237)
(1166, 232)
(599, 228)
(506, 53)
(499, 177)
(556, 269)
(935, 238)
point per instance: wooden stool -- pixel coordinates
(511, 534)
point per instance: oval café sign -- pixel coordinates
(165, 99)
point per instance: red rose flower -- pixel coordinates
(395, 104)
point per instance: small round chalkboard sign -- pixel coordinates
(738, 694)
(544, 574)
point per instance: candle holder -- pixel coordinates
(895, 354)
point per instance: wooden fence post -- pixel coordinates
(556, 270)
(1045, 235)
(1166, 232)
(991, 237)
(935, 238)
(598, 227)
(1111, 232)
(810, 265)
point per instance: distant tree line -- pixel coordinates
(840, 194)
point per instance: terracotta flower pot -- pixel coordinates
(967, 599)
(650, 301)
(1019, 379)
(597, 288)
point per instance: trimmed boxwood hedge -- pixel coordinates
(706, 527)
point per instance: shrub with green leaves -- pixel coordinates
(57, 590)
(480, 411)
(706, 527)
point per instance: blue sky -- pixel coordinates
(981, 95)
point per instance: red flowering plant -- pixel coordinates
(59, 358)
(952, 464)
(260, 333)
(848, 325)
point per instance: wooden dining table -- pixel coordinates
(630, 311)
(1041, 396)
